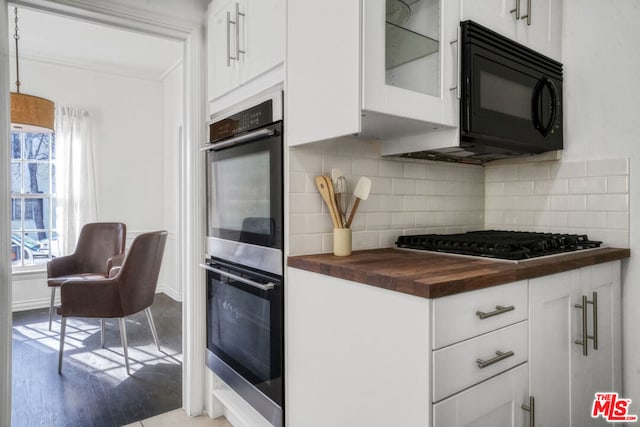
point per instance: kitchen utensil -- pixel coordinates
(334, 205)
(324, 183)
(335, 173)
(341, 189)
(361, 192)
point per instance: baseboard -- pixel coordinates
(170, 292)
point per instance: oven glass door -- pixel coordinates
(244, 184)
(245, 324)
(511, 102)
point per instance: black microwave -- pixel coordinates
(511, 96)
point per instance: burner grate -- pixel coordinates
(511, 245)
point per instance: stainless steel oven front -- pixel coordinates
(244, 259)
(245, 334)
(245, 187)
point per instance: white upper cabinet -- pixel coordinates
(536, 24)
(245, 41)
(379, 69)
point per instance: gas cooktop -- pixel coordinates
(507, 245)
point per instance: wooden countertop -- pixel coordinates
(433, 275)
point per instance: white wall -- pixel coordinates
(173, 137)
(602, 59)
(129, 129)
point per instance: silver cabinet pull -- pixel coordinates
(499, 310)
(516, 10)
(499, 356)
(594, 301)
(265, 287)
(531, 408)
(229, 58)
(528, 15)
(458, 56)
(238, 15)
(585, 335)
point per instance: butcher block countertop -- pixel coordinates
(433, 275)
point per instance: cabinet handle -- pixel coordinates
(229, 58)
(531, 408)
(528, 15)
(516, 10)
(594, 302)
(499, 310)
(585, 336)
(238, 15)
(458, 56)
(499, 356)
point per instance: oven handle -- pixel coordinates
(239, 139)
(266, 287)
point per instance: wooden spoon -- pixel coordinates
(361, 192)
(324, 183)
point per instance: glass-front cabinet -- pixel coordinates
(409, 66)
(374, 68)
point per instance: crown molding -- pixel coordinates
(126, 15)
(97, 67)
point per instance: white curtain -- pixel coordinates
(75, 175)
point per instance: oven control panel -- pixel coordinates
(244, 121)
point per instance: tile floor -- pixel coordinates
(179, 418)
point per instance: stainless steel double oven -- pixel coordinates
(244, 261)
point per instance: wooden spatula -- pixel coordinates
(325, 188)
(361, 192)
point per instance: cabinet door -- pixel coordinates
(409, 60)
(493, 14)
(544, 33)
(222, 70)
(264, 27)
(600, 370)
(323, 70)
(552, 351)
(495, 402)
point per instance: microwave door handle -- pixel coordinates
(265, 287)
(536, 105)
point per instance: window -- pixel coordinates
(33, 203)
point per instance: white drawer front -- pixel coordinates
(457, 367)
(495, 402)
(458, 317)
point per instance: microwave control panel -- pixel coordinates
(244, 121)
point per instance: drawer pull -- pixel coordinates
(499, 356)
(499, 310)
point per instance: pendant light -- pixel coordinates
(29, 113)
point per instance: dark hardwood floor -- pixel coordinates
(94, 388)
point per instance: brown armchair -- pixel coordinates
(100, 247)
(129, 291)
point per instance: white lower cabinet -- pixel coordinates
(358, 355)
(564, 379)
(496, 402)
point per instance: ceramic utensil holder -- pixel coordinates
(342, 241)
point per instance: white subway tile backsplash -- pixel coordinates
(403, 186)
(533, 171)
(607, 167)
(410, 196)
(366, 167)
(551, 186)
(501, 174)
(588, 185)
(391, 168)
(415, 170)
(568, 202)
(617, 184)
(568, 169)
(608, 202)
